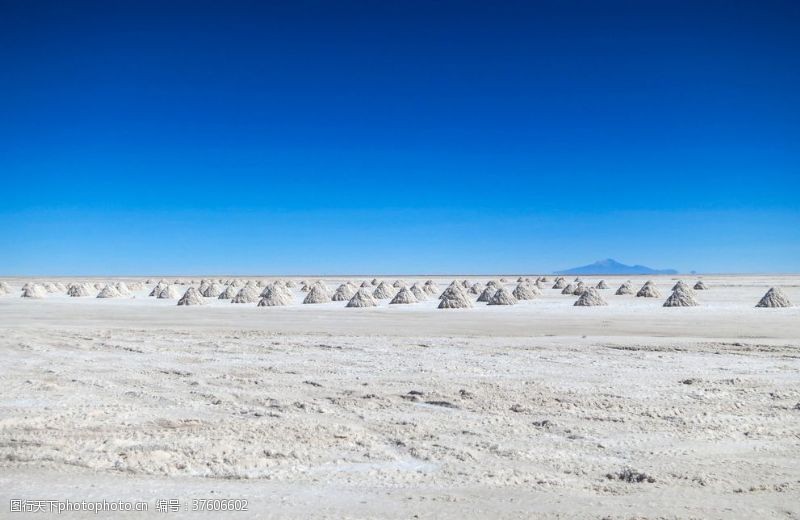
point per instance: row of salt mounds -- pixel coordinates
(344, 292)
(601, 285)
(170, 292)
(362, 298)
(78, 290)
(774, 298)
(454, 297)
(275, 295)
(228, 294)
(525, 291)
(247, 294)
(404, 296)
(625, 288)
(700, 286)
(648, 290)
(191, 297)
(590, 298)
(682, 296)
(109, 291)
(318, 294)
(383, 291)
(33, 290)
(501, 297)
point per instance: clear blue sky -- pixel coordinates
(396, 137)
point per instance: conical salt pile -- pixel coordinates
(365, 283)
(98, 286)
(317, 294)
(50, 287)
(430, 288)
(601, 285)
(362, 298)
(34, 291)
(504, 280)
(501, 297)
(291, 284)
(191, 297)
(681, 297)
(136, 286)
(454, 290)
(170, 292)
(681, 285)
(383, 291)
(525, 291)
(275, 296)
(700, 286)
(418, 293)
(398, 284)
(520, 279)
(560, 283)
(774, 298)
(343, 293)
(157, 289)
(5, 288)
(487, 294)
(109, 291)
(590, 298)
(214, 290)
(579, 289)
(544, 279)
(229, 293)
(60, 286)
(122, 289)
(374, 282)
(625, 288)
(648, 290)
(453, 298)
(78, 290)
(493, 283)
(476, 288)
(247, 294)
(568, 289)
(404, 296)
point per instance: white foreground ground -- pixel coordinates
(319, 411)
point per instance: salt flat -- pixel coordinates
(539, 409)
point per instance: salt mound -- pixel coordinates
(524, 291)
(700, 286)
(109, 291)
(34, 291)
(343, 293)
(454, 299)
(157, 289)
(213, 290)
(624, 289)
(493, 283)
(374, 281)
(475, 289)
(579, 289)
(50, 287)
(98, 286)
(601, 285)
(77, 290)
(122, 288)
(362, 298)
(418, 293)
(317, 294)
(60, 287)
(487, 294)
(520, 279)
(503, 280)
(170, 292)
(275, 296)
(648, 290)
(229, 293)
(590, 298)
(681, 297)
(774, 298)
(191, 297)
(560, 283)
(291, 284)
(454, 290)
(430, 287)
(398, 284)
(136, 286)
(238, 283)
(365, 283)
(501, 297)
(247, 294)
(568, 289)
(404, 296)
(544, 279)
(4, 288)
(383, 291)
(681, 285)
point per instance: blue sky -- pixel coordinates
(398, 137)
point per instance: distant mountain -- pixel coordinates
(610, 266)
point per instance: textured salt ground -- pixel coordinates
(454, 419)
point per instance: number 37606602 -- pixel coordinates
(219, 504)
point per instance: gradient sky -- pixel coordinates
(398, 137)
